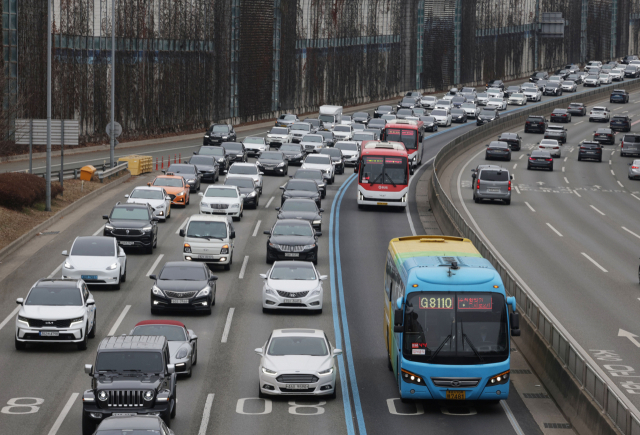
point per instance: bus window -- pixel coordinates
(387, 275)
(408, 137)
(384, 170)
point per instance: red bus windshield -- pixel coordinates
(384, 170)
(408, 137)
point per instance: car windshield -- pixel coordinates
(182, 169)
(216, 192)
(312, 138)
(330, 118)
(318, 160)
(333, 152)
(168, 182)
(296, 272)
(220, 129)
(576, 105)
(234, 147)
(438, 113)
(358, 126)
(94, 247)
(284, 147)
(457, 112)
(517, 95)
(345, 146)
(275, 155)
(540, 74)
(388, 116)
(55, 296)
(560, 111)
(468, 106)
(243, 169)
(496, 100)
(598, 109)
(362, 136)
(631, 138)
(541, 154)
(254, 140)
(182, 273)
(592, 77)
(326, 134)
(631, 68)
(301, 185)
(302, 205)
(279, 130)
(385, 108)
(239, 181)
(342, 128)
(292, 229)
(444, 103)
(207, 229)
(211, 151)
(569, 82)
(313, 346)
(455, 328)
(409, 100)
(408, 137)
(146, 194)
(201, 160)
(287, 117)
(494, 175)
(514, 88)
(482, 95)
(301, 126)
(130, 361)
(405, 112)
(130, 213)
(486, 112)
(360, 115)
(128, 432)
(384, 170)
(309, 175)
(170, 332)
(428, 119)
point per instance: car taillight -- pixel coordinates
(478, 185)
(509, 185)
(564, 115)
(556, 148)
(531, 158)
(528, 122)
(583, 148)
(634, 167)
(621, 144)
(549, 160)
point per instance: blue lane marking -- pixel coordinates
(336, 322)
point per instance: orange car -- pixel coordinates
(176, 187)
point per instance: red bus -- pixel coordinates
(410, 133)
(383, 175)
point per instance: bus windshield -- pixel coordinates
(408, 137)
(455, 328)
(384, 170)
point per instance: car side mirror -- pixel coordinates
(126, 196)
(91, 301)
(411, 170)
(153, 277)
(181, 233)
(213, 278)
(201, 194)
(318, 233)
(88, 369)
(323, 277)
(529, 155)
(355, 169)
(277, 208)
(511, 177)
(261, 173)
(149, 184)
(337, 352)
(321, 210)
(155, 218)
(397, 320)
(281, 187)
(121, 252)
(65, 253)
(487, 145)
(267, 232)
(263, 275)
(171, 368)
(105, 216)
(194, 153)
(20, 301)
(258, 350)
(232, 235)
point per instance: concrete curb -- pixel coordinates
(7, 250)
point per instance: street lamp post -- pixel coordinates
(48, 174)
(113, 83)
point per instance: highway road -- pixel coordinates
(579, 224)
(221, 397)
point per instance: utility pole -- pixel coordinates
(113, 83)
(48, 174)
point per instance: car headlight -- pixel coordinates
(317, 222)
(191, 182)
(147, 229)
(266, 371)
(224, 137)
(234, 206)
(23, 320)
(68, 265)
(182, 353)
(220, 160)
(252, 194)
(148, 395)
(206, 135)
(309, 246)
(103, 396)
(269, 291)
(180, 194)
(326, 372)
(315, 292)
(281, 164)
(77, 320)
(274, 245)
(297, 156)
(114, 266)
(156, 291)
(321, 185)
(109, 227)
(204, 292)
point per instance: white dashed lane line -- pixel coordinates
(63, 414)
(631, 232)
(517, 190)
(594, 262)
(206, 414)
(579, 122)
(244, 267)
(576, 192)
(269, 203)
(530, 208)
(101, 229)
(115, 326)
(565, 159)
(621, 185)
(227, 325)
(155, 264)
(515, 166)
(565, 179)
(255, 232)
(597, 210)
(520, 158)
(554, 230)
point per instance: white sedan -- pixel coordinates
(297, 362)
(222, 200)
(155, 196)
(247, 170)
(569, 86)
(518, 99)
(322, 162)
(343, 132)
(442, 116)
(605, 78)
(532, 93)
(497, 103)
(96, 260)
(292, 285)
(59, 311)
(551, 145)
(350, 151)
(277, 136)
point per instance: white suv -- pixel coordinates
(322, 162)
(222, 200)
(155, 196)
(208, 239)
(96, 260)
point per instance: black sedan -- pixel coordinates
(497, 150)
(382, 110)
(575, 78)
(577, 109)
(236, 151)
(539, 159)
(361, 117)
(218, 152)
(304, 189)
(512, 90)
(458, 116)
(458, 101)
(336, 158)
(513, 139)
(496, 84)
(183, 286)
(293, 152)
(377, 123)
(620, 123)
(219, 133)
(539, 75)
(429, 123)
(207, 167)
(604, 136)
(188, 172)
(619, 96)
(315, 175)
(292, 239)
(274, 162)
(305, 209)
(560, 115)
(247, 187)
(553, 88)
(487, 115)
(590, 150)
(408, 103)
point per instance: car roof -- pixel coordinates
(130, 205)
(536, 116)
(541, 152)
(297, 331)
(498, 143)
(509, 135)
(96, 238)
(292, 221)
(560, 109)
(161, 322)
(590, 142)
(193, 264)
(156, 188)
(140, 342)
(53, 282)
(171, 176)
(305, 180)
(292, 200)
(603, 129)
(294, 262)
(209, 218)
(559, 127)
(131, 422)
(600, 107)
(219, 186)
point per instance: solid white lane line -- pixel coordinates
(63, 414)
(227, 326)
(609, 161)
(155, 264)
(13, 314)
(597, 210)
(512, 418)
(579, 122)
(269, 203)
(182, 226)
(621, 185)
(517, 190)
(56, 270)
(114, 329)
(520, 158)
(515, 166)
(554, 230)
(579, 196)
(530, 208)
(563, 169)
(255, 232)
(630, 232)
(565, 179)
(244, 266)
(206, 414)
(613, 173)
(99, 231)
(407, 209)
(565, 159)
(594, 262)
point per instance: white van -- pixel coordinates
(330, 116)
(208, 239)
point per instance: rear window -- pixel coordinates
(536, 118)
(619, 118)
(631, 138)
(494, 175)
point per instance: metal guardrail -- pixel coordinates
(591, 378)
(74, 173)
(120, 166)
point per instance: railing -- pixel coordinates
(121, 166)
(591, 378)
(74, 172)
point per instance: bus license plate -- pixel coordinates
(297, 386)
(292, 301)
(382, 203)
(288, 254)
(456, 395)
(49, 334)
(179, 301)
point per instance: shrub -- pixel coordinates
(19, 190)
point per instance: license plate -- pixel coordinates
(591, 152)
(123, 414)
(292, 301)
(493, 190)
(89, 276)
(288, 254)
(296, 386)
(126, 243)
(49, 334)
(382, 203)
(541, 160)
(456, 395)
(179, 301)
(206, 257)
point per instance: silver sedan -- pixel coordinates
(292, 285)
(634, 170)
(569, 86)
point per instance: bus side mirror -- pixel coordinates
(512, 301)
(514, 320)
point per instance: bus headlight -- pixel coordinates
(499, 379)
(412, 378)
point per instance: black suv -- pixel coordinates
(513, 139)
(496, 84)
(535, 123)
(619, 96)
(218, 153)
(629, 58)
(590, 150)
(219, 133)
(132, 375)
(133, 225)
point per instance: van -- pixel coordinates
(330, 116)
(629, 144)
(209, 239)
(492, 183)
